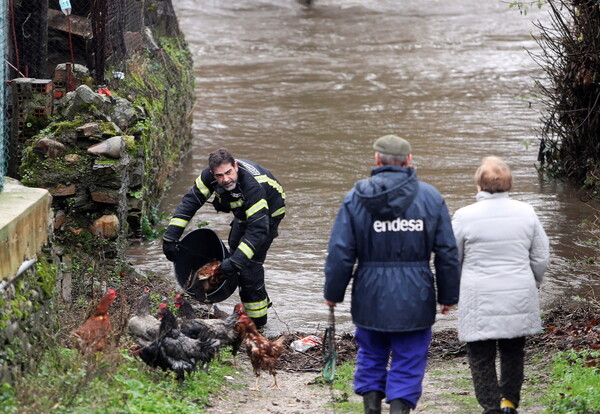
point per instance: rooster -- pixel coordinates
(92, 335)
(143, 326)
(175, 351)
(223, 330)
(264, 354)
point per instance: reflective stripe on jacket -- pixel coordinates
(256, 199)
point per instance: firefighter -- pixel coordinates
(257, 202)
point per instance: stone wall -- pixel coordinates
(105, 155)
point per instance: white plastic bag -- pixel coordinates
(301, 345)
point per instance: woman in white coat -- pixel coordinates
(504, 252)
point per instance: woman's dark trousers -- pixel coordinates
(482, 359)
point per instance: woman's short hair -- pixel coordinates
(493, 175)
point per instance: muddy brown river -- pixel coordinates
(305, 91)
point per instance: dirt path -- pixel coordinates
(447, 389)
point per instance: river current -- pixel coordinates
(304, 91)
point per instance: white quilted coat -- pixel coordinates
(504, 252)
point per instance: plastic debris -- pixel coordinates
(65, 6)
(304, 344)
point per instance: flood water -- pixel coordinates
(305, 91)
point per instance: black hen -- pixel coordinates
(175, 351)
(221, 329)
(199, 310)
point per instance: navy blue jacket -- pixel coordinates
(383, 237)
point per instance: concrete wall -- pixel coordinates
(26, 291)
(24, 220)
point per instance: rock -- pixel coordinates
(49, 148)
(63, 190)
(72, 158)
(106, 226)
(123, 114)
(113, 147)
(80, 100)
(136, 173)
(60, 218)
(82, 203)
(105, 196)
(88, 130)
(74, 231)
(80, 72)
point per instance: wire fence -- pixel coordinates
(39, 35)
(44, 33)
(3, 95)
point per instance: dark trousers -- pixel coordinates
(253, 292)
(482, 359)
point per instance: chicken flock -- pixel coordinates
(183, 342)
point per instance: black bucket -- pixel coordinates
(196, 249)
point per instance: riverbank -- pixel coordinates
(447, 386)
(116, 381)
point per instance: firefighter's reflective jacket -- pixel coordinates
(256, 200)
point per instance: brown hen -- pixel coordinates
(210, 276)
(92, 335)
(264, 354)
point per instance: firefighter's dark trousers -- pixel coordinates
(253, 292)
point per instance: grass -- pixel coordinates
(114, 383)
(342, 388)
(66, 382)
(574, 383)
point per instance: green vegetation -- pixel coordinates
(570, 49)
(22, 310)
(159, 86)
(66, 382)
(342, 389)
(574, 383)
(524, 6)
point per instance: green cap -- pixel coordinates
(392, 145)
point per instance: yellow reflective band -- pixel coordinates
(278, 212)
(246, 250)
(202, 188)
(256, 309)
(236, 204)
(262, 203)
(178, 222)
(271, 182)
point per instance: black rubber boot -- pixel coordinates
(398, 407)
(372, 402)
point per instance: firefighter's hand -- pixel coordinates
(220, 207)
(170, 249)
(230, 268)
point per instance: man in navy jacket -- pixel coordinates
(383, 237)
